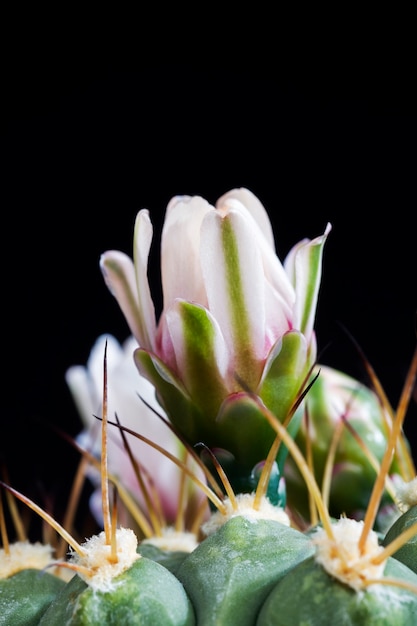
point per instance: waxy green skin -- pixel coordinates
(407, 554)
(25, 596)
(148, 594)
(229, 575)
(308, 596)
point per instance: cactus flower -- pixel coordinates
(125, 389)
(235, 319)
(334, 398)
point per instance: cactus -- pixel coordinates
(262, 488)
(406, 553)
(26, 595)
(229, 575)
(145, 593)
(309, 595)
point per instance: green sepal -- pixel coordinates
(303, 265)
(199, 362)
(248, 435)
(246, 431)
(284, 374)
(230, 573)
(284, 381)
(309, 595)
(146, 594)
(25, 596)
(171, 394)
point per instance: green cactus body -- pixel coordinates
(408, 552)
(146, 594)
(25, 596)
(229, 575)
(335, 395)
(171, 559)
(309, 596)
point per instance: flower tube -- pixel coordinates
(235, 320)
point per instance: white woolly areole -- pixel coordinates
(173, 540)
(245, 507)
(24, 555)
(406, 494)
(97, 558)
(340, 556)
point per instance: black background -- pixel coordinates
(88, 140)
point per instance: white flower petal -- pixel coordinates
(234, 279)
(119, 274)
(141, 246)
(255, 208)
(262, 237)
(180, 242)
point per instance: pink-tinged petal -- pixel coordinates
(278, 316)
(275, 274)
(234, 279)
(129, 283)
(180, 243)
(142, 241)
(119, 274)
(255, 208)
(262, 237)
(304, 267)
(164, 348)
